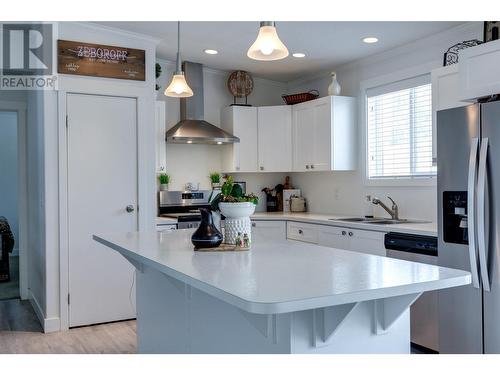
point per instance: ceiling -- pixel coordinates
(326, 44)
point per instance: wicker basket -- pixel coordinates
(300, 97)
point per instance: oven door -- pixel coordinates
(188, 224)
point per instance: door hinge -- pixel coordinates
(68, 298)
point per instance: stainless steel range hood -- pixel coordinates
(193, 128)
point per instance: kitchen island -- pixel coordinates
(279, 297)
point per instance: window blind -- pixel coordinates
(399, 131)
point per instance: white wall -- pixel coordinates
(192, 163)
(8, 174)
(343, 192)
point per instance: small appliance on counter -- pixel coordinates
(298, 204)
(287, 194)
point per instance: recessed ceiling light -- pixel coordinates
(211, 51)
(299, 54)
(370, 39)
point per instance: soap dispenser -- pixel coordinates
(368, 206)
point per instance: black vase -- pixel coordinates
(207, 234)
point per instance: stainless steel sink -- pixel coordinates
(355, 219)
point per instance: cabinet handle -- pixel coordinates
(307, 166)
(261, 168)
(254, 225)
(312, 166)
(351, 234)
(344, 232)
(300, 231)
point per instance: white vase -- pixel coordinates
(237, 219)
(334, 87)
(163, 187)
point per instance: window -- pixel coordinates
(399, 130)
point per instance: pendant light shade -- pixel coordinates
(267, 46)
(178, 87)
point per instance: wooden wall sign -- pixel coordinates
(99, 60)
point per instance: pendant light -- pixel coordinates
(267, 46)
(178, 88)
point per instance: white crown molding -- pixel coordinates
(434, 39)
(129, 34)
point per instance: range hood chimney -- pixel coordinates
(193, 128)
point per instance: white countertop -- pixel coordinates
(285, 276)
(424, 228)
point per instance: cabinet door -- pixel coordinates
(245, 128)
(322, 133)
(241, 122)
(365, 241)
(445, 95)
(302, 232)
(303, 136)
(335, 237)
(268, 230)
(275, 138)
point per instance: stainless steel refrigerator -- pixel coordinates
(468, 157)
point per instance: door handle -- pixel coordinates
(130, 208)
(481, 229)
(471, 212)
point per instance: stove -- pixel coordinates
(184, 206)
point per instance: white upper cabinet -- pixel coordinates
(479, 71)
(274, 138)
(241, 122)
(445, 95)
(324, 134)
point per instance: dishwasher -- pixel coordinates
(424, 314)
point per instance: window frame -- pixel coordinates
(365, 86)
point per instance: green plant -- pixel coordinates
(215, 177)
(231, 192)
(157, 74)
(164, 178)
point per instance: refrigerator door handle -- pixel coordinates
(471, 211)
(481, 228)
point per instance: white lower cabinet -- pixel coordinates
(302, 232)
(166, 227)
(363, 241)
(268, 230)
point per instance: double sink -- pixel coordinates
(378, 220)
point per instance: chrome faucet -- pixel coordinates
(393, 212)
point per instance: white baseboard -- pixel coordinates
(48, 324)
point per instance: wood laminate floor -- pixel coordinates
(20, 332)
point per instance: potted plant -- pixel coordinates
(215, 178)
(236, 207)
(164, 181)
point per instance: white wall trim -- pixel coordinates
(21, 248)
(48, 324)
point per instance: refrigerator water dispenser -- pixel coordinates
(455, 217)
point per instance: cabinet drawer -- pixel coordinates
(302, 232)
(166, 227)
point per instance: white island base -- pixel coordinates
(279, 297)
(173, 317)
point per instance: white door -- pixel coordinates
(102, 182)
(275, 138)
(268, 231)
(335, 237)
(368, 242)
